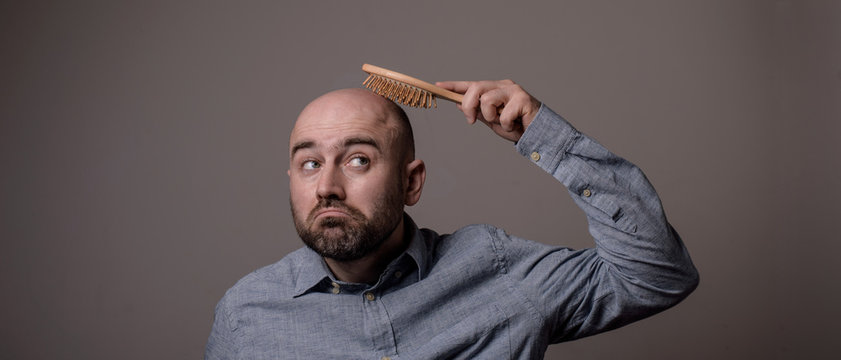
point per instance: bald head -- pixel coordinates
(345, 107)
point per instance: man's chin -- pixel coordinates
(333, 233)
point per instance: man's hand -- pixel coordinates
(502, 105)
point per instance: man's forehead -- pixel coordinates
(332, 117)
(336, 119)
(337, 125)
(330, 133)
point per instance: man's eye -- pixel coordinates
(359, 161)
(311, 164)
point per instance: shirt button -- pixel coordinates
(586, 193)
(398, 274)
(370, 296)
(336, 289)
(535, 156)
(385, 358)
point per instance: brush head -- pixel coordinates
(405, 89)
(400, 92)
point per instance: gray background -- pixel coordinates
(143, 155)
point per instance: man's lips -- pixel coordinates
(330, 212)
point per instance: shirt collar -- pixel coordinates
(417, 249)
(312, 270)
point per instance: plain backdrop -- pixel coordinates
(143, 155)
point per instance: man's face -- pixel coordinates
(345, 176)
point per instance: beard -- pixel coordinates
(352, 237)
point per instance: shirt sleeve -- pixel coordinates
(220, 343)
(639, 265)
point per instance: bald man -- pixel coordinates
(371, 285)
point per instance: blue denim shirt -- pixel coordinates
(478, 293)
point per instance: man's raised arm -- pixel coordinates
(639, 265)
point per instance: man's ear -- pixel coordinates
(416, 175)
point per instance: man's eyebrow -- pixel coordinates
(306, 144)
(302, 145)
(362, 141)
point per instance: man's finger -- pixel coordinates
(470, 102)
(455, 86)
(490, 102)
(509, 117)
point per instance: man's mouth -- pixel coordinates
(331, 212)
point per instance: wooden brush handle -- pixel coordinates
(436, 90)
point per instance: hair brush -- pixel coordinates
(405, 89)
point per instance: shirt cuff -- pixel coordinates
(547, 139)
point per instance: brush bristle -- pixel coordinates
(400, 92)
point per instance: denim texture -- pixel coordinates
(478, 293)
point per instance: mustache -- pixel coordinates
(336, 204)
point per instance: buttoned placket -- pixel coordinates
(376, 321)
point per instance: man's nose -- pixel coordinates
(331, 183)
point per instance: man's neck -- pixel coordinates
(367, 269)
